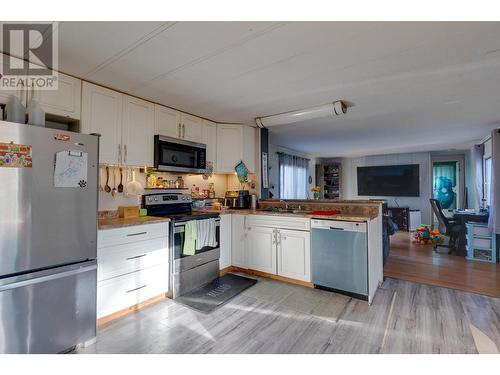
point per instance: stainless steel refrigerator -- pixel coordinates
(48, 239)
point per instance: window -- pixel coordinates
(487, 180)
(293, 176)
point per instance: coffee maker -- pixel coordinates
(237, 199)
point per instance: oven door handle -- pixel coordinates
(183, 223)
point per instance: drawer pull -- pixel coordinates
(136, 234)
(133, 290)
(137, 256)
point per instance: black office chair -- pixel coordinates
(446, 226)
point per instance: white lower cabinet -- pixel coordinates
(225, 241)
(294, 254)
(238, 248)
(130, 289)
(261, 242)
(132, 266)
(277, 251)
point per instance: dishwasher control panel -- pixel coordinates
(351, 226)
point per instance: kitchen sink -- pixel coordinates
(287, 210)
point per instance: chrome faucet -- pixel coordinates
(286, 203)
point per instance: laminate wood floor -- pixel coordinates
(419, 263)
(274, 317)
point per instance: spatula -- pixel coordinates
(107, 188)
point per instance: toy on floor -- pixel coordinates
(425, 236)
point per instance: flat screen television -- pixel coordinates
(389, 181)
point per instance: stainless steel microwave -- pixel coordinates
(178, 155)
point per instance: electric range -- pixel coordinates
(187, 272)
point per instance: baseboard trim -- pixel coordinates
(118, 314)
(266, 275)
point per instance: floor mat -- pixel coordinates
(216, 293)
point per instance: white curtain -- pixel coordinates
(494, 220)
(293, 176)
(477, 165)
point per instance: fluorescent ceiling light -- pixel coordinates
(336, 108)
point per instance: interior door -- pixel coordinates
(261, 249)
(138, 132)
(42, 225)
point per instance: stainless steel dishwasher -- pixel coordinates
(339, 257)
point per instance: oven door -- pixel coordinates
(177, 155)
(205, 255)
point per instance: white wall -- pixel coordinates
(274, 172)
(350, 180)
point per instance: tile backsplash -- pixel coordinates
(107, 202)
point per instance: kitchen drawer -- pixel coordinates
(480, 230)
(119, 236)
(121, 259)
(283, 222)
(124, 291)
(480, 243)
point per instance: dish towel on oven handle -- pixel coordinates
(190, 234)
(205, 233)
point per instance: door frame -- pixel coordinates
(460, 159)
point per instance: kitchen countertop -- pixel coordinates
(117, 222)
(341, 217)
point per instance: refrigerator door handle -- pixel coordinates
(42, 279)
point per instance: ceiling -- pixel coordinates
(414, 85)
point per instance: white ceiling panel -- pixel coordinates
(83, 46)
(414, 85)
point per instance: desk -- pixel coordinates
(462, 217)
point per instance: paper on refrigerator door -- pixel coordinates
(70, 169)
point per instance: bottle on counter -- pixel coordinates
(179, 183)
(211, 190)
(151, 180)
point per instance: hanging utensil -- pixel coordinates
(134, 187)
(113, 192)
(120, 185)
(107, 188)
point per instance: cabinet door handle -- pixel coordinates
(136, 234)
(119, 154)
(179, 134)
(133, 290)
(183, 131)
(137, 256)
(125, 154)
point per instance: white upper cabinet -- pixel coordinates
(261, 249)
(167, 121)
(294, 254)
(210, 139)
(191, 128)
(102, 113)
(5, 95)
(65, 101)
(138, 131)
(229, 147)
(235, 143)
